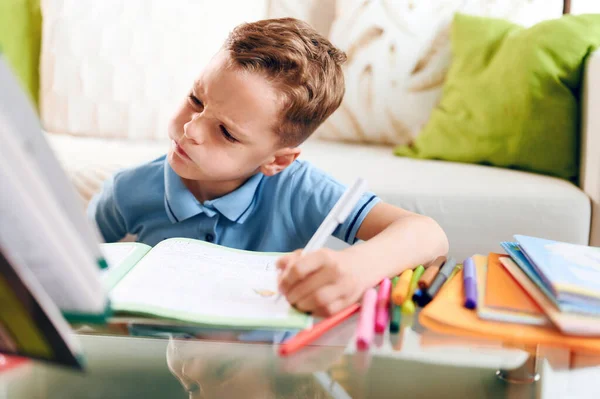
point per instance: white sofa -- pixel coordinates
(478, 206)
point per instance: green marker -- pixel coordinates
(396, 317)
(408, 306)
(396, 314)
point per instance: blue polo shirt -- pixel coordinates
(267, 213)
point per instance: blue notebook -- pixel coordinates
(568, 274)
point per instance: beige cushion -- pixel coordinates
(398, 57)
(477, 206)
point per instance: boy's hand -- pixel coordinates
(323, 282)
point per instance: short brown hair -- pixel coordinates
(303, 64)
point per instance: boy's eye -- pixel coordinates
(195, 101)
(226, 134)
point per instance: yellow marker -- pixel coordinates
(401, 288)
(457, 268)
(408, 306)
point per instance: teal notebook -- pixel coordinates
(568, 274)
(192, 281)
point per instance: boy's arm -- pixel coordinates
(396, 240)
(326, 281)
(103, 209)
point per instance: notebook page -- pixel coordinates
(116, 254)
(204, 280)
(121, 258)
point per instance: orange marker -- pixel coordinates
(305, 337)
(401, 289)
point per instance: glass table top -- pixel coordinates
(131, 360)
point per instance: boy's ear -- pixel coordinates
(281, 160)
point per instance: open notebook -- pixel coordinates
(197, 282)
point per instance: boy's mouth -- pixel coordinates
(180, 151)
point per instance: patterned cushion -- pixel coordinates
(398, 56)
(318, 13)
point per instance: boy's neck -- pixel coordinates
(206, 191)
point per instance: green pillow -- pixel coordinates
(511, 97)
(20, 38)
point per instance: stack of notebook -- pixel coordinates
(564, 280)
(540, 291)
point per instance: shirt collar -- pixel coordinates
(181, 204)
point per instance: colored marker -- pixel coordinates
(401, 289)
(395, 281)
(395, 311)
(306, 337)
(430, 273)
(470, 283)
(439, 281)
(457, 268)
(396, 318)
(408, 306)
(382, 315)
(417, 296)
(366, 320)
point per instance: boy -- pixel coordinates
(232, 176)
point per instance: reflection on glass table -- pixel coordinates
(130, 361)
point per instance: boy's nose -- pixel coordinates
(192, 131)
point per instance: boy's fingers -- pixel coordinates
(284, 261)
(332, 308)
(306, 286)
(319, 299)
(300, 269)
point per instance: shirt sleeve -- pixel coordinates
(103, 209)
(315, 194)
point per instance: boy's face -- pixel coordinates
(224, 130)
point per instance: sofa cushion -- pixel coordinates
(478, 206)
(512, 96)
(398, 57)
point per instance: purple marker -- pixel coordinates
(470, 283)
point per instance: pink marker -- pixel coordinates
(382, 315)
(366, 320)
